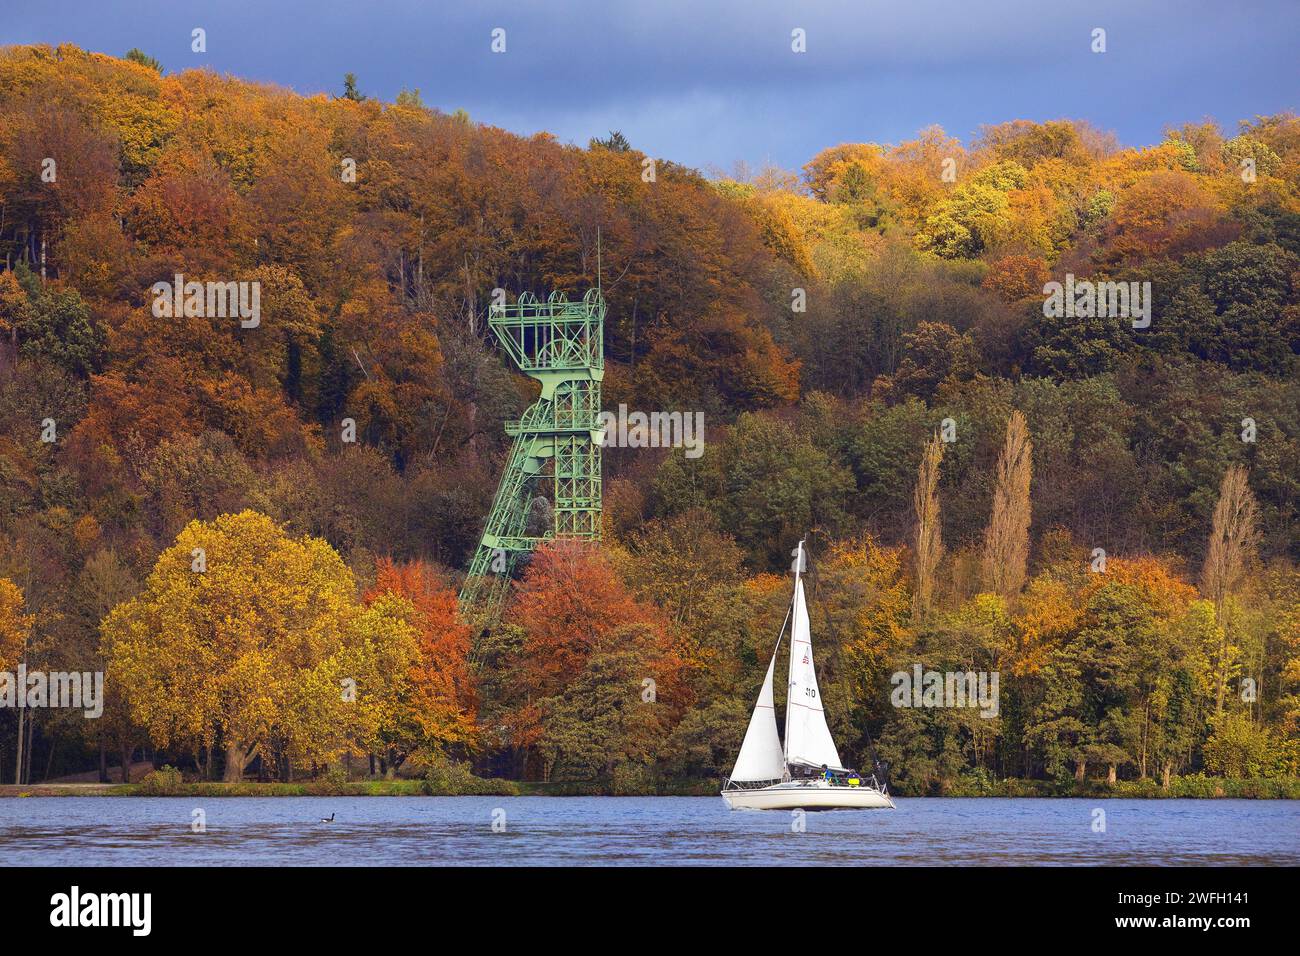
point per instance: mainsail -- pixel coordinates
(760, 755)
(807, 738)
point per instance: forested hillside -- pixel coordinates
(1108, 519)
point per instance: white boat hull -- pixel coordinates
(816, 795)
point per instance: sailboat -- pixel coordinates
(806, 772)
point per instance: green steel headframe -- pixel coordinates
(561, 344)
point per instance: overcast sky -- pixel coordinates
(709, 82)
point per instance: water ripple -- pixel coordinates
(250, 831)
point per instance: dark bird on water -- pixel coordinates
(328, 819)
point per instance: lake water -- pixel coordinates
(244, 831)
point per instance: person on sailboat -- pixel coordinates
(826, 773)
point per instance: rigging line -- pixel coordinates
(780, 633)
(788, 611)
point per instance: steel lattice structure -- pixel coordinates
(561, 344)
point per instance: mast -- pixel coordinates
(797, 567)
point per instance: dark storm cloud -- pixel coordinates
(709, 83)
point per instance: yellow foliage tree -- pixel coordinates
(15, 626)
(249, 637)
(1049, 616)
(861, 603)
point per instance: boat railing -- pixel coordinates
(868, 783)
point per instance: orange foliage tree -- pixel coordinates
(439, 713)
(580, 621)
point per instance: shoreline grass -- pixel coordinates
(164, 784)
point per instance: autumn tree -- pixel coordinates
(1016, 278)
(435, 713)
(932, 354)
(608, 723)
(580, 623)
(249, 637)
(15, 629)
(1238, 747)
(1006, 540)
(691, 570)
(15, 626)
(858, 606)
(1232, 540)
(928, 547)
(976, 214)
